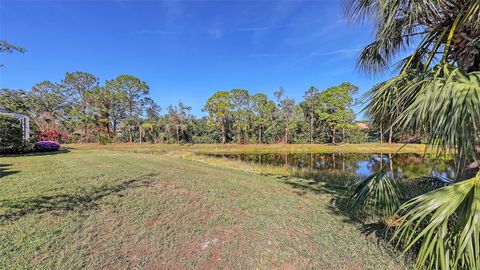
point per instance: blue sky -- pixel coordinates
(185, 50)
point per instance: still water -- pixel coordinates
(361, 165)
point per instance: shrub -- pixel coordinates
(104, 139)
(11, 135)
(49, 135)
(48, 128)
(47, 146)
(356, 135)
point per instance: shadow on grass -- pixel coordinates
(333, 184)
(29, 154)
(4, 170)
(337, 185)
(316, 182)
(80, 201)
(310, 185)
(378, 230)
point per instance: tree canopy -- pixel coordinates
(83, 109)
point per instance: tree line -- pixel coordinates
(244, 118)
(80, 108)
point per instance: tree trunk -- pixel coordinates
(260, 134)
(105, 123)
(334, 133)
(286, 133)
(390, 135)
(85, 126)
(311, 129)
(343, 135)
(224, 140)
(130, 107)
(178, 136)
(239, 136)
(114, 126)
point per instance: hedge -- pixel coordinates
(11, 135)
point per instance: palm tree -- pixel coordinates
(382, 108)
(437, 90)
(148, 128)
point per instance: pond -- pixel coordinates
(360, 165)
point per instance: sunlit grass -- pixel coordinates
(264, 148)
(97, 208)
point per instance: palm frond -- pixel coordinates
(433, 27)
(446, 225)
(372, 59)
(377, 193)
(437, 95)
(360, 9)
(446, 103)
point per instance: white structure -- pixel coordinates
(24, 120)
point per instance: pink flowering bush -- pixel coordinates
(46, 146)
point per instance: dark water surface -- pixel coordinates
(361, 165)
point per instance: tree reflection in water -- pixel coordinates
(358, 165)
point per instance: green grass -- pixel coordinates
(264, 148)
(102, 208)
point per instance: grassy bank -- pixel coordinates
(263, 148)
(98, 208)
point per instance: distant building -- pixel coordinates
(362, 125)
(24, 121)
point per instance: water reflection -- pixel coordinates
(360, 165)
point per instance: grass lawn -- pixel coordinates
(102, 208)
(264, 148)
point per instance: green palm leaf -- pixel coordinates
(450, 239)
(377, 193)
(446, 103)
(436, 26)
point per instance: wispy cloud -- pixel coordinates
(172, 11)
(346, 52)
(262, 55)
(323, 57)
(156, 32)
(215, 33)
(321, 32)
(272, 27)
(252, 29)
